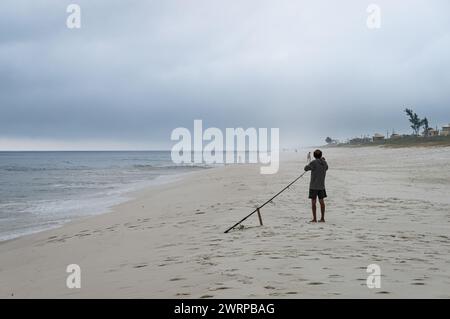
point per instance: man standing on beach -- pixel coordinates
(318, 168)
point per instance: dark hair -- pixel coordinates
(318, 154)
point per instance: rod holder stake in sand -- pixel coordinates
(259, 216)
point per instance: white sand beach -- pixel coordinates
(390, 207)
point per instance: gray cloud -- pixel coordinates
(138, 69)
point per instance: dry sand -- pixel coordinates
(385, 206)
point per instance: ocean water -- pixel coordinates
(43, 190)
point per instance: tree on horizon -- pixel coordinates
(426, 126)
(415, 121)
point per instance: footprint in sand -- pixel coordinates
(219, 288)
(79, 235)
(418, 283)
(284, 274)
(111, 270)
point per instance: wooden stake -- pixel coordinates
(259, 216)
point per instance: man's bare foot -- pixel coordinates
(322, 221)
(313, 221)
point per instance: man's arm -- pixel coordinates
(325, 163)
(309, 167)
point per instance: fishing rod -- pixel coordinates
(258, 208)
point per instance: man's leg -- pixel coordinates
(322, 210)
(313, 206)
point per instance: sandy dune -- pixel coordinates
(390, 207)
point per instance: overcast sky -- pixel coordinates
(138, 69)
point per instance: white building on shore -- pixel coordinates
(378, 137)
(445, 130)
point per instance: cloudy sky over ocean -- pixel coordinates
(138, 69)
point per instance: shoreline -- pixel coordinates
(44, 190)
(127, 196)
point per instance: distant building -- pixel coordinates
(445, 130)
(378, 137)
(395, 136)
(432, 132)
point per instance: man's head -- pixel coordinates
(318, 154)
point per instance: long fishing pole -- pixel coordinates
(258, 208)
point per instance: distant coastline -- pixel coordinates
(429, 136)
(405, 141)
